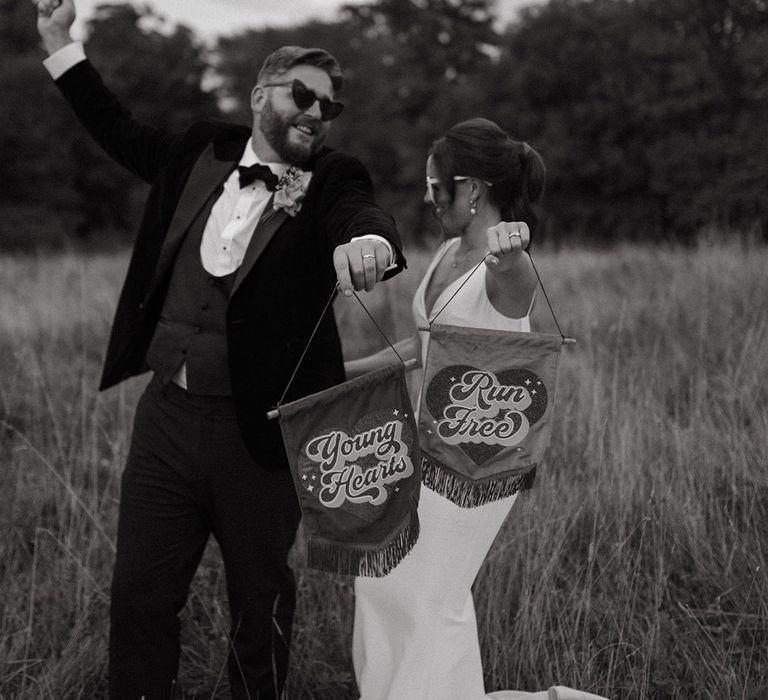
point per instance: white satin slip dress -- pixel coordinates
(415, 632)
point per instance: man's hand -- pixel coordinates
(506, 241)
(360, 264)
(54, 19)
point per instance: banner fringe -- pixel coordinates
(470, 494)
(345, 560)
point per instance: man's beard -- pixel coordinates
(276, 128)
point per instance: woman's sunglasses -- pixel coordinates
(433, 185)
(305, 98)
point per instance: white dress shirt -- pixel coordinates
(234, 217)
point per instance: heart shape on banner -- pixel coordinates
(529, 385)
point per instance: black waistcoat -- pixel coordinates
(192, 325)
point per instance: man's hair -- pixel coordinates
(286, 57)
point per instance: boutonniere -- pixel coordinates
(290, 190)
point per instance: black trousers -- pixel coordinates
(188, 475)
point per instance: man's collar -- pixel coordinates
(249, 158)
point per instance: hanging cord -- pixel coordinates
(450, 299)
(309, 342)
(378, 328)
(274, 413)
(566, 340)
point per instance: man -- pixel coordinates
(228, 277)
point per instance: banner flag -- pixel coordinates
(354, 459)
(486, 410)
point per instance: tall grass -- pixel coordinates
(636, 568)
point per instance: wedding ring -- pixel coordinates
(369, 255)
(516, 233)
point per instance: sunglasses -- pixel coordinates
(304, 98)
(433, 185)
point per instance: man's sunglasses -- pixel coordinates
(433, 185)
(305, 98)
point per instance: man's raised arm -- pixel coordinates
(54, 21)
(140, 148)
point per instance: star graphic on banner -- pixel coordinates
(313, 477)
(527, 381)
(533, 392)
(310, 488)
(453, 379)
(397, 488)
(395, 412)
(304, 477)
(429, 431)
(405, 415)
(538, 383)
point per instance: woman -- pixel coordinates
(415, 634)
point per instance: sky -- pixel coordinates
(210, 18)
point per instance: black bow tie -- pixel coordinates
(257, 172)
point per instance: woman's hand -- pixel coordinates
(512, 280)
(506, 242)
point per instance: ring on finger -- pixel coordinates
(369, 255)
(516, 234)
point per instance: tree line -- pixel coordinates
(650, 114)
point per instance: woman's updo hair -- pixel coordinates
(481, 149)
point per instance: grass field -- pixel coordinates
(635, 569)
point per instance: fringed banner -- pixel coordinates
(354, 458)
(486, 411)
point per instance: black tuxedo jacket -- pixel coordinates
(286, 277)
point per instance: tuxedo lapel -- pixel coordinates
(270, 221)
(208, 173)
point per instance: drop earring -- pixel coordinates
(472, 206)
